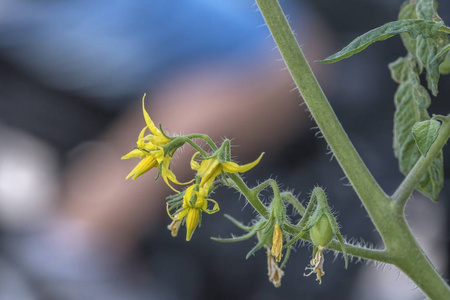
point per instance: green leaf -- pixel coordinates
(425, 133)
(408, 11)
(414, 27)
(411, 102)
(429, 52)
(433, 180)
(425, 9)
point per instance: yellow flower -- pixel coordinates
(277, 243)
(212, 167)
(149, 149)
(194, 202)
(150, 159)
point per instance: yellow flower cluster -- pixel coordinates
(152, 150)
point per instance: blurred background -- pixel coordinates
(72, 75)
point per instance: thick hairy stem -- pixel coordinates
(368, 190)
(409, 257)
(402, 249)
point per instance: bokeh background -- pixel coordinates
(71, 78)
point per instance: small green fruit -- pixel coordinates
(321, 233)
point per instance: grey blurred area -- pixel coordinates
(69, 73)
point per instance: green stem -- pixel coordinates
(250, 195)
(368, 190)
(410, 182)
(204, 137)
(407, 255)
(290, 198)
(196, 147)
(366, 253)
(261, 187)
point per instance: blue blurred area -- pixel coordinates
(107, 50)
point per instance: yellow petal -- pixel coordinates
(195, 165)
(141, 134)
(167, 175)
(231, 167)
(168, 212)
(132, 153)
(214, 209)
(208, 171)
(151, 126)
(200, 202)
(188, 195)
(207, 167)
(159, 155)
(208, 180)
(192, 219)
(181, 214)
(143, 166)
(160, 140)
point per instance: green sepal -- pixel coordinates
(241, 238)
(344, 250)
(173, 145)
(252, 230)
(239, 224)
(163, 133)
(263, 240)
(224, 151)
